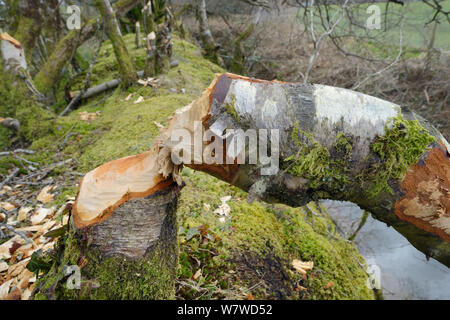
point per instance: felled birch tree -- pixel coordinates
(324, 143)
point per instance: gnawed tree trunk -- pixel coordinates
(159, 40)
(132, 255)
(210, 49)
(126, 65)
(138, 35)
(62, 54)
(13, 57)
(325, 143)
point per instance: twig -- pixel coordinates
(26, 161)
(9, 177)
(357, 85)
(9, 153)
(317, 43)
(12, 229)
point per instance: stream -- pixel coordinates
(404, 272)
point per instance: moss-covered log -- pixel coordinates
(48, 75)
(126, 66)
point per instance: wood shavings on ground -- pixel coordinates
(33, 223)
(86, 116)
(224, 209)
(301, 266)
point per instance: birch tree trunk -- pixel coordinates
(324, 142)
(211, 50)
(126, 65)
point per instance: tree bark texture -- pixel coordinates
(30, 25)
(126, 65)
(211, 50)
(159, 40)
(132, 256)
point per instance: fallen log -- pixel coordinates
(324, 142)
(108, 85)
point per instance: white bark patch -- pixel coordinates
(245, 94)
(270, 109)
(353, 110)
(445, 142)
(13, 56)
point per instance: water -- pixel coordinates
(405, 272)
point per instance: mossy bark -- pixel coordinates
(61, 55)
(159, 40)
(132, 255)
(126, 66)
(48, 75)
(29, 26)
(238, 63)
(210, 49)
(341, 145)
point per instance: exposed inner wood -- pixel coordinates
(426, 203)
(107, 187)
(14, 42)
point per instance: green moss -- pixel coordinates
(231, 108)
(266, 236)
(16, 102)
(315, 163)
(399, 148)
(108, 278)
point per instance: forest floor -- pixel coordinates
(228, 248)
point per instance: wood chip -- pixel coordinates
(86, 116)
(5, 247)
(139, 100)
(7, 206)
(23, 213)
(197, 274)
(26, 294)
(4, 288)
(3, 266)
(41, 214)
(301, 266)
(18, 268)
(24, 279)
(45, 196)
